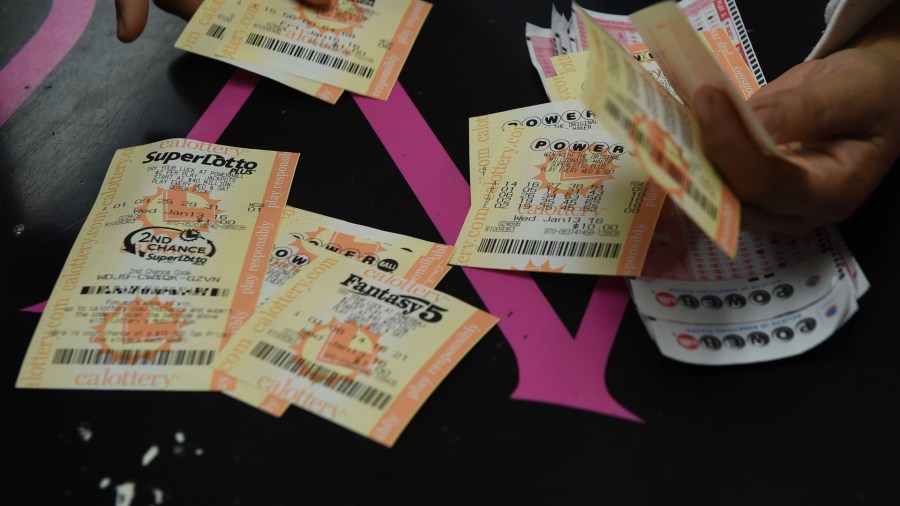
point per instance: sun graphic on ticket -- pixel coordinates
(136, 332)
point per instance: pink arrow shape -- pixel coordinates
(30, 66)
(553, 367)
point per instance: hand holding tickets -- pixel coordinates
(841, 116)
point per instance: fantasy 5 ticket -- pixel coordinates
(355, 345)
(356, 45)
(559, 200)
(168, 264)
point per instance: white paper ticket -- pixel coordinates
(358, 46)
(739, 343)
(167, 265)
(417, 260)
(560, 200)
(747, 299)
(354, 345)
(213, 22)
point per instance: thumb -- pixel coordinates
(131, 18)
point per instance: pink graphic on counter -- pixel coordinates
(553, 367)
(27, 69)
(224, 107)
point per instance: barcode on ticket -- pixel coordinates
(311, 55)
(550, 248)
(88, 356)
(663, 161)
(154, 290)
(215, 31)
(321, 375)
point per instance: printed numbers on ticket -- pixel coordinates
(354, 345)
(168, 264)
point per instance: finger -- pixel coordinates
(756, 178)
(755, 219)
(827, 103)
(131, 18)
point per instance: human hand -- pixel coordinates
(838, 116)
(132, 15)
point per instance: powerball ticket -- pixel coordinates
(484, 131)
(354, 345)
(417, 260)
(213, 22)
(168, 264)
(560, 200)
(356, 46)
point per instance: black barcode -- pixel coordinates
(689, 187)
(88, 356)
(321, 375)
(305, 53)
(215, 31)
(700, 199)
(550, 248)
(154, 290)
(659, 156)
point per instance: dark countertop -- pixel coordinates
(820, 428)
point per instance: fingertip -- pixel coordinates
(131, 17)
(320, 3)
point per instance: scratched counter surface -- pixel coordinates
(590, 415)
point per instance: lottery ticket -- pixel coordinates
(775, 293)
(355, 345)
(213, 22)
(359, 46)
(571, 73)
(484, 131)
(687, 63)
(168, 264)
(756, 341)
(559, 200)
(422, 262)
(541, 47)
(703, 15)
(664, 135)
